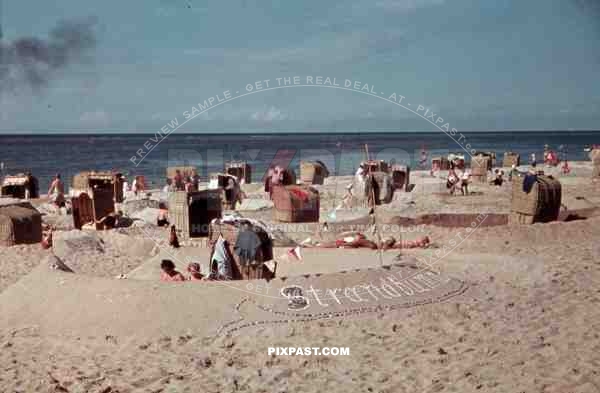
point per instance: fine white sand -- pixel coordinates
(528, 321)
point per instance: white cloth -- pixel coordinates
(221, 258)
(360, 175)
(213, 184)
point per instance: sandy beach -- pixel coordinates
(508, 308)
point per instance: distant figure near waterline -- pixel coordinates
(56, 192)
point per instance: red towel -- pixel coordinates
(300, 194)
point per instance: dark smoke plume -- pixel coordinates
(32, 62)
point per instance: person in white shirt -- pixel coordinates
(167, 187)
(134, 187)
(360, 173)
(464, 182)
(125, 186)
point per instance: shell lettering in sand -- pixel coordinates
(395, 287)
(296, 299)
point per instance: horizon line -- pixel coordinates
(262, 132)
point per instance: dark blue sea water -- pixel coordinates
(45, 155)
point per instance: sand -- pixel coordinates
(526, 317)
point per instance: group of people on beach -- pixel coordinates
(179, 182)
(169, 272)
(138, 186)
(458, 179)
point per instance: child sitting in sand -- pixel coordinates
(163, 215)
(195, 272)
(168, 271)
(47, 238)
(498, 178)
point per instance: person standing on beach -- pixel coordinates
(28, 186)
(196, 182)
(57, 191)
(464, 182)
(178, 180)
(173, 240)
(361, 173)
(453, 179)
(168, 187)
(134, 187)
(125, 186)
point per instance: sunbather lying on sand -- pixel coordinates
(421, 242)
(111, 220)
(358, 240)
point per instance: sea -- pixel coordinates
(145, 154)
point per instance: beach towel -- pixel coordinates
(300, 194)
(220, 263)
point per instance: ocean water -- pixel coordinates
(46, 155)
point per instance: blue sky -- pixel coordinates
(480, 64)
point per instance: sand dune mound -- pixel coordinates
(255, 204)
(56, 302)
(145, 216)
(66, 243)
(106, 253)
(314, 261)
(77, 305)
(17, 261)
(53, 262)
(150, 269)
(129, 208)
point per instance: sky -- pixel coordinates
(479, 64)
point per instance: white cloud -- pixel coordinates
(406, 5)
(327, 47)
(368, 115)
(97, 118)
(272, 114)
